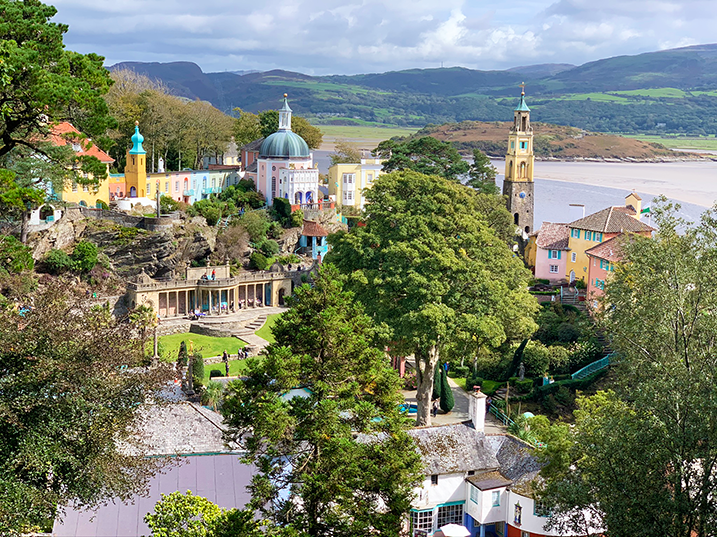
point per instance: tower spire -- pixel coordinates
(285, 115)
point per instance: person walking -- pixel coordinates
(434, 408)
(214, 274)
(225, 359)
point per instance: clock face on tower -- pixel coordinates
(521, 195)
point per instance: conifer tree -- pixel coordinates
(436, 383)
(447, 402)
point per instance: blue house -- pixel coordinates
(313, 240)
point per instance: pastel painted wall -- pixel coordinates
(86, 195)
(449, 489)
(348, 182)
(598, 273)
(578, 243)
(545, 259)
(480, 506)
(268, 175)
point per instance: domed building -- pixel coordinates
(284, 167)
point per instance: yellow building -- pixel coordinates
(347, 182)
(587, 232)
(135, 170)
(84, 195)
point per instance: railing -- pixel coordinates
(505, 420)
(222, 282)
(212, 190)
(189, 192)
(597, 365)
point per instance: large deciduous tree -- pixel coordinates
(67, 407)
(337, 461)
(425, 155)
(429, 265)
(660, 307)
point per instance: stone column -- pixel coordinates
(210, 302)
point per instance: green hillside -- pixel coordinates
(672, 91)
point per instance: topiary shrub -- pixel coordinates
(524, 386)
(447, 402)
(436, 394)
(215, 373)
(198, 371)
(57, 261)
(459, 371)
(182, 355)
(473, 381)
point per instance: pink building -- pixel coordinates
(601, 262)
(551, 251)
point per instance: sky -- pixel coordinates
(365, 36)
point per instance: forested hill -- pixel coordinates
(671, 91)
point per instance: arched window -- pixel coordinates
(522, 170)
(516, 217)
(524, 124)
(510, 170)
(297, 198)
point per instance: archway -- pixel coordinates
(527, 229)
(297, 198)
(522, 170)
(132, 192)
(309, 197)
(281, 297)
(510, 170)
(572, 276)
(516, 217)
(47, 211)
(83, 203)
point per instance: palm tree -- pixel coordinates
(213, 394)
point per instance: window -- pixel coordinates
(553, 269)
(575, 233)
(518, 514)
(598, 237)
(450, 514)
(148, 189)
(348, 178)
(540, 509)
(553, 254)
(76, 147)
(370, 177)
(273, 187)
(166, 186)
(574, 257)
(176, 186)
(523, 145)
(471, 472)
(74, 186)
(474, 494)
(495, 497)
(524, 534)
(422, 521)
(434, 479)
(500, 528)
(85, 188)
(351, 195)
(512, 145)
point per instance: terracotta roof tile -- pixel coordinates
(314, 229)
(59, 136)
(552, 236)
(611, 220)
(610, 250)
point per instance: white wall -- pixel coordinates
(529, 521)
(483, 511)
(449, 489)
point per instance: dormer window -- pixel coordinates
(434, 479)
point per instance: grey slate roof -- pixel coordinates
(452, 449)
(253, 146)
(489, 480)
(611, 220)
(516, 458)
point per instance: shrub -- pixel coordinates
(524, 386)
(460, 371)
(197, 371)
(568, 333)
(269, 247)
(436, 393)
(275, 230)
(536, 358)
(410, 381)
(473, 381)
(57, 261)
(297, 218)
(182, 355)
(84, 256)
(215, 373)
(563, 396)
(102, 205)
(281, 209)
(256, 225)
(212, 215)
(168, 205)
(15, 257)
(512, 380)
(257, 261)
(447, 402)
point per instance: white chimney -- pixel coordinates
(576, 211)
(476, 410)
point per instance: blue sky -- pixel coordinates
(359, 36)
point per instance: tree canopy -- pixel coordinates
(659, 307)
(429, 265)
(337, 461)
(424, 155)
(67, 407)
(482, 174)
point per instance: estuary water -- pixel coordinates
(693, 184)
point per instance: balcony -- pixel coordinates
(189, 193)
(212, 190)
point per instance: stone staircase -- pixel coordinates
(252, 327)
(221, 326)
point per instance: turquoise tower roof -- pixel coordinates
(522, 107)
(137, 140)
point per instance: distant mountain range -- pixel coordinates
(667, 91)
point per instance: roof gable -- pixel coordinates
(451, 449)
(61, 133)
(553, 236)
(611, 220)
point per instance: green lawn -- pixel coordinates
(363, 133)
(708, 143)
(265, 331)
(236, 368)
(207, 346)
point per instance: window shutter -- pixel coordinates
(558, 254)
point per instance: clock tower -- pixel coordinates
(519, 160)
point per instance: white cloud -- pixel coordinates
(350, 36)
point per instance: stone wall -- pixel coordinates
(174, 328)
(123, 219)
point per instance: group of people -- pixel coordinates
(242, 354)
(205, 277)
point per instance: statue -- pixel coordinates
(521, 371)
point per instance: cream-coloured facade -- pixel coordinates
(220, 295)
(347, 182)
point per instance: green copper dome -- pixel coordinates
(284, 144)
